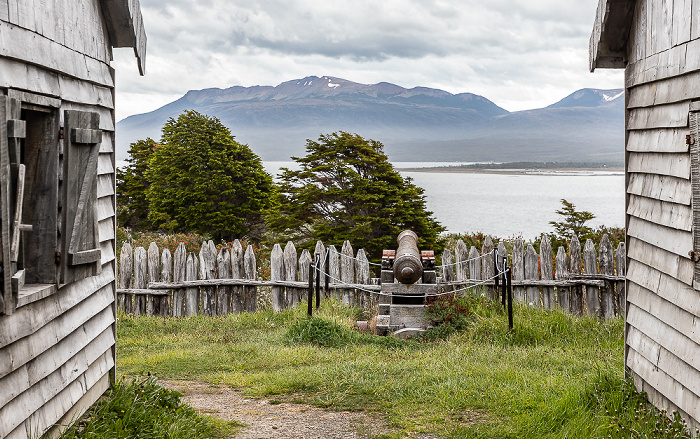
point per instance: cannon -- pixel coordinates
(408, 268)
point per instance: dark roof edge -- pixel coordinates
(608, 44)
(125, 27)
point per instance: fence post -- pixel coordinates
(461, 257)
(474, 264)
(562, 273)
(304, 263)
(518, 269)
(620, 286)
(548, 298)
(532, 293)
(166, 275)
(487, 265)
(250, 267)
(179, 275)
(140, 273)
(590, 266)
(321, 250)
(575, 268)
(334, 269)
(362, 277)
(502, 261)
(277, 274)
(125, 269)
(153, 302)
(607, 267)
(347, 274)
(191, 293)
(237, 272)
(223, 271)
(207, 270)
(448, 270)
(290, 272)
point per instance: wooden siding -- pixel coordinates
(57, 352)
(663, 319)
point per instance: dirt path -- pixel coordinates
(264, 420)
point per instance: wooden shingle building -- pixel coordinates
(57, 205)
(657, 42)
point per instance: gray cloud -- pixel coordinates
(521, 54)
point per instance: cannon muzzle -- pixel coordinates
(408, 268)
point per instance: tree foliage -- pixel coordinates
(202, 180)
(346, 189)
(132, 185)
(574, 222)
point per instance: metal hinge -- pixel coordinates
(690, 139)
(694, 256)
(60, 133)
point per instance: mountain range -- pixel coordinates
(417, 124)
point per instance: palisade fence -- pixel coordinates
(155, 282)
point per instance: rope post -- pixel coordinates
(504, 289)
(326, 276)
(311, 290)
(318, 280)
(510, 299)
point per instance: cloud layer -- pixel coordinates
(520, 54)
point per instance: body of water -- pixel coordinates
(509, 205)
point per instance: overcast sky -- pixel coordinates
(521, 54)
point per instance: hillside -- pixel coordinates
(414, 124)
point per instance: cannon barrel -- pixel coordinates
(408, 267)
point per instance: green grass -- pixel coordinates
(554, 376)
(140, 408)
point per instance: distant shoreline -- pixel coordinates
(524, 168)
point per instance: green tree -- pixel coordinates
(202, 180)
(346, 189)
(132, 205)
(574, 222)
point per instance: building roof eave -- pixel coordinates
(125, 27)
(608, 44)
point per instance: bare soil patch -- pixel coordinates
(277, 420)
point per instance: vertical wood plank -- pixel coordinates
(140, 276)
(362, 277)
(474, 264)
(590, 265)
(621, 266)
(191, 294)
(502, 262)
(681, 21)
(575, 268)
(179, 275)
(562, 272)
(448, 271)
(487, 271)
(548, 297)
(166, 275)
(518, 269)
(277, 274)
(461, 257)
(347, 273)
(223, 271)
(321, 251)
(291, 265)
(250, 268)
(532, 294)
(153, 302)
(333, 270)
(304, 262)
(237, 272)
(207, 270)
(125, 270)
(695, 20)
(606, 265)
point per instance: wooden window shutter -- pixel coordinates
(81, 244)
(693, 141)
(12, 129)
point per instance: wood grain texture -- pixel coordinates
(667, 287)
(448, 270)
(674, 165)
(621, 270)
(670, 189)
(140, 279)
(250, 272)
(666, 91)
(461, 258)
(153, 265)
(676, 216)
(679, 267)
(548, 293)
(125, 271)
(347, 273)
(487, 264)
(659, 116)
(531, 272)
(191, 294)
(237, 270)
(179, 274)
(279, 299)
(362, 277)
(207, 270)
(291, 267)
(166, 275)
(681, 14)
(576, 298)
(590, 266)
(673, 240)
(518, 269)
(475, 264)
(606, 266)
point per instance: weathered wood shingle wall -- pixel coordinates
(663, 316)
(57, 352)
